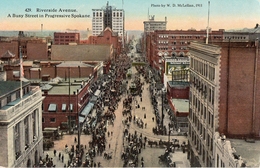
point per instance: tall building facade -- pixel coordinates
(151, 25)
(204, 105)
(108, 16)
(20, 125)
(224, 99)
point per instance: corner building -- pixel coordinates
(204, 105)
(224, 99)
(20, 125)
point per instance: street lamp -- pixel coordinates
(77, 104)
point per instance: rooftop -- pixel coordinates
(9, 86)
(181, 105)
(250, 152)
(62, 87)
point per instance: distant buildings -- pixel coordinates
(108, 16)
(151, 25)
(66, 38)
(20, 124)
(33, 48)
(107, 37)
(223, 98)
(174, 43)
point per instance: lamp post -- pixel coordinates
(77, 104)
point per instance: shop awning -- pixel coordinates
(87, 109)
(93, 99)
(81, 119)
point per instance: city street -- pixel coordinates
(116, 142)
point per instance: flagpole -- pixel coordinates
(207, 39)
(21, 72)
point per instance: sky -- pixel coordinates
(223, 14)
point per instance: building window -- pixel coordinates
(43, 120)
(52, 108)
(17, 141)
(52, 120)
(26, 132)
(63, 108)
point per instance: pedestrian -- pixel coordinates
(75, 139)
(62, 158)
(54, 152)
(59, 155)
(141, 99)
(144, 115)
(47, 156)
(145, 125)
(109, 146)
(65, 165)
(111, 133)
(153, 119)
(108, 133)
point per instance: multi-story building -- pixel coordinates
(108, 36)
(32, 48)
(173, 43)
(219, 100)
(20, 124)
(204, 105)
(108, 16)
(64, 102)
(65, 38)
(151, 25)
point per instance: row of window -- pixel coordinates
(173, 48)
(63, 108)
(25, 131)
(201, 147)
(12, 97)
(117, 14)
(188, 37)
(174, 42)
(62, 40)
(56, 37)
(204, 69)
(100, 14)
(236, 37)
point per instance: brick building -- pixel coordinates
(173, 43)
(65, 38)
(223, 96)
(108, 37)
(35, 70)
(84, 52)
(64, 102)
(32, 48)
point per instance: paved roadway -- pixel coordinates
(149, 154)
